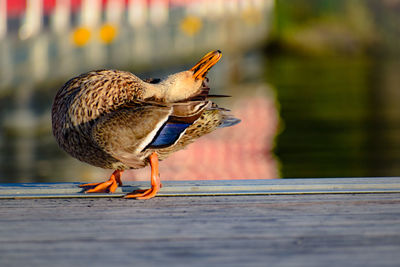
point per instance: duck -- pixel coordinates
(113, 119)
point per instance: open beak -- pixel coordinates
(205, 64)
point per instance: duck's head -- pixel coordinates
(186, 84)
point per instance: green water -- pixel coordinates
(341, 116)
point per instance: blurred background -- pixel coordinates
(316, 83)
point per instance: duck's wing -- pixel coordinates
(124, 133)
(183, 116)
(130, 130)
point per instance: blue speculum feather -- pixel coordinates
(169, 134)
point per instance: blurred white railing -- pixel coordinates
(42, 39)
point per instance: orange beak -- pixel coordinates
(205, 64)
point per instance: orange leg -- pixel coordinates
(155, 182)
(108, 186)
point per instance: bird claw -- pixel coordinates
(108, 186)
(143, 193)
(105, 187)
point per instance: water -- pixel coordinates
(302, 117)
(341, 116)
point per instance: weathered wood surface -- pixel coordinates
(242, 230)
(223, 187)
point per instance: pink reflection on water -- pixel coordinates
(239, 152)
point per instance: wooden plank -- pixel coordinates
(220, 187)
(247, 230)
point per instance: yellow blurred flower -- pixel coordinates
(191, 25)
(81, 36)
(108, 33)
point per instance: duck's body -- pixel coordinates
(114, 120)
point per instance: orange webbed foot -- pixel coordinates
(108, 186)
(155, 182)
(144, 193)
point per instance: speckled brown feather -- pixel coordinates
(209, 120)
(81, 102)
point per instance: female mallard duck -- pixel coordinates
(114, 120)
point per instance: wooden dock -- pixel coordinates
(288, 222)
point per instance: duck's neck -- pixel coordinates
(173, 89)
(154, 91)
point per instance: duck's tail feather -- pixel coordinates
(228, 121)
(218, 96)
